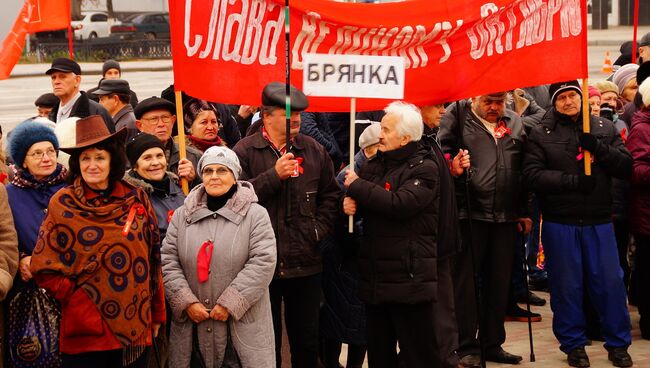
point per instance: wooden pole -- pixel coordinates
(181, 137)
(585, 122)
(353, 114)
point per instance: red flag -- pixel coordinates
(226, 51)
(35, 16)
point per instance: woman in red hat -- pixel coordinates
(98, 254)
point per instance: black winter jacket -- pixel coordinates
(496, 180)
(553, 170)
(314, 199)
(83, 108)
(448, 228)
(398, 195)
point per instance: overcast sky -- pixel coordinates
(10, 9)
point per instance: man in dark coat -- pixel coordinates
(495, 138)
(398, 196)
(295, 183)
(114, 96)
(446, 328)
(66, 79)
(577, 234)
(112, 70)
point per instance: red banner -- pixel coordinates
(35, 16)
(226, 51)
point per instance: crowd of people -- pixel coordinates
(458, 210)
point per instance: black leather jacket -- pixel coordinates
(496, 181)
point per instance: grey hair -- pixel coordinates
(408, 117)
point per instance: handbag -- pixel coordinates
(34, 319)
(196, 359)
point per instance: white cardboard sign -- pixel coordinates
(353, 76)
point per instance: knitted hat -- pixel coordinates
(593, 91)
(193, 108)
(110, 64)
(622, 76)
(66, 133)
(222, 156)
(370, 135)
(137, 145)
(25, 135)
(556, 88)
(606, 86)
(644, 90)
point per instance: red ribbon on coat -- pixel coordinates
(203, 260)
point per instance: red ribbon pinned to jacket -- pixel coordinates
(502, 130)
(203, 260)
(624, 135)
(136, 208)
(299, 170)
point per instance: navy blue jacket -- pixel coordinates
(29, 207)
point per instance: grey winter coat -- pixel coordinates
(241, 269)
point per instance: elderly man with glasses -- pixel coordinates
(156, 116)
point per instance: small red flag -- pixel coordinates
(35, 16)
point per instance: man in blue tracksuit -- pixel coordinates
(577, 232)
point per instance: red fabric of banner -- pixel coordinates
(226, 52)
(35, 16)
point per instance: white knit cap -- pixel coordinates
(222, 156)
(66, 133)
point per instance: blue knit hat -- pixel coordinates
(25, 135)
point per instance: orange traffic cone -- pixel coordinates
(607, 64)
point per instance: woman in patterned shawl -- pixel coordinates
(98, 254)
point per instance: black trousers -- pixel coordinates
(101, 359)
(410, 326)
(301, 296)
(444, 317)
(642, 270)
(493, 245)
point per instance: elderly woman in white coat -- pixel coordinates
(218, 259)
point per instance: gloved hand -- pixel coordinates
(586, 183)
(588, 142)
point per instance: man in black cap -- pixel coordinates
(494, 136)
(295, 182)
(157, 116)
(112, 70)
(114, 95)
(578, 236)
(45, 103)
(644, 49)
(66, 80)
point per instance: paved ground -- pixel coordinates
(546, 349)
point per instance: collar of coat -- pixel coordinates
(408, 153)
(261, 143)
(148, 188)
(80, 108)
(196, 206)
(553, 117)
(124, 111)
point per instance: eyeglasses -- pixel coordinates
(221, 172)
(38, 155)
(153, 120)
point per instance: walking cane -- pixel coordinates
(530, 325)
(460, 119)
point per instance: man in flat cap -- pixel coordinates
(114, 95)
(494, 137)
(65, 75)
(295, 182)
(45, 103)
(578, 236)
(157, 116)
(644, 48)
(111, 70)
